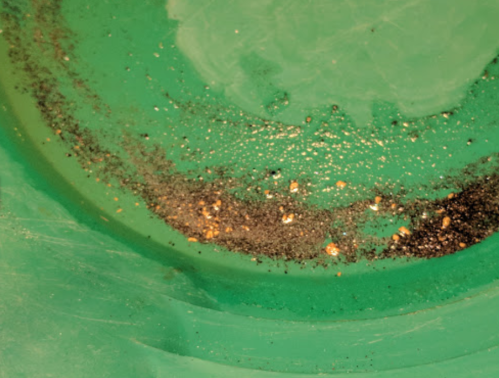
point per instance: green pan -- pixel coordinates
(249, 188)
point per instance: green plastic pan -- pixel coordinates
(249, 188)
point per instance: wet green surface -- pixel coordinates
(79, 301)
(97, 292)
(360, 148)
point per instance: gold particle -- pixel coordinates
(404, 231)
(446, 222)
(217, 205)
(339, 274)
(341, 184)
(288, 218)
(119, 210)
(116, 198)
(308, 119)
(462, 245)
(58, 132)
(377, 199)
(451, 195)
(293, 187)
(332, 250)
(228, 229)
(192, 240)
(209, 234)
(396, 237)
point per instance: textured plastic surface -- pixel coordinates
(86, 291)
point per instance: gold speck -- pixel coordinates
(404, 231)
(341, 184)
(293, 187)
(119, 210)
(446, 222)
(451, 195)
(339, 274)
(287, 218)
(192, 240)
(217, 205)
(396, 237)
(377, 199)
(332, 250)
(462, 245)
